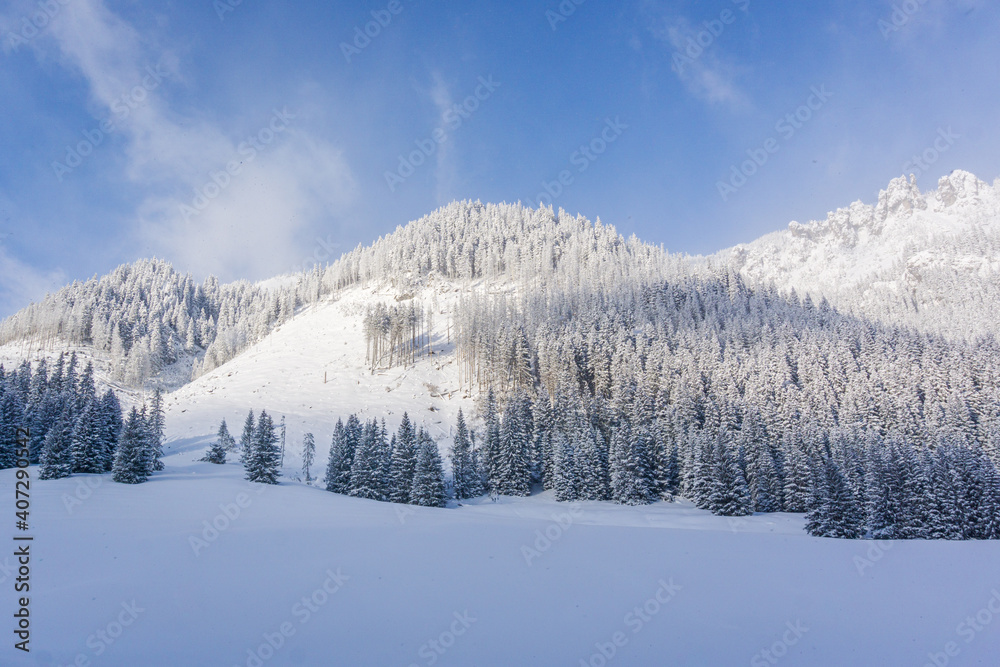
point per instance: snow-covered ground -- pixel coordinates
(198, 567)
(312, 371)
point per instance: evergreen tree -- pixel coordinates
(403, 463)
(565, 478)
(467, 478)
(223, 443)
(630, 475)
(262, 461)
(428, 477)
(111, 424)
(367, 467)
(511, 467)
(833, 511)
(157, 429)
(730, 494)
(88, 441)
(247, 439)
(57, 452)
(308, 454)
(131, 464)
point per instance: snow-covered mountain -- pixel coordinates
(928, 260)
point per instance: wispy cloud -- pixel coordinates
(250, 227)
(697, 59)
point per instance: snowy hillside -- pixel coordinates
(312, 370)
(929, 260)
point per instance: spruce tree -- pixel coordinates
(88, 441)
(367, 468)
(730, 494)
(131, 464)
(428, 476)
(111, 423)
(511, 467)
(57, 452)
(262, 461)
(157, 429)
(565, 477)
(223, 443)
(467, 479)
(308, 455)
(403, 463)
(247, 438)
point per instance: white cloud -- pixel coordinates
(696, 57)
(255, 224)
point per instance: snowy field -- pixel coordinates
(135, 576)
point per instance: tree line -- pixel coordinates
(72, 428)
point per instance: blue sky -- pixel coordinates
(243, 140)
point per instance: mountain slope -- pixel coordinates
(927, 260)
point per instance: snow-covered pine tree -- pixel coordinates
(629, 471)
(223, 443)
(565, 477)
(403, 463)
(491, 442)
(247, 438)
(57, 452)
(131, 464)
(428, 476)
(308, 455)
(730, 494)
(88, 441)
(833, 511)
(367, 473)
(512, 471)
(157, 428)
(466, 477)
(332, 478)
(111, 427)
(262, 461)
(796, 491)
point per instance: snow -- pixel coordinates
(868, 259)
(727, 589)
(284, 374)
